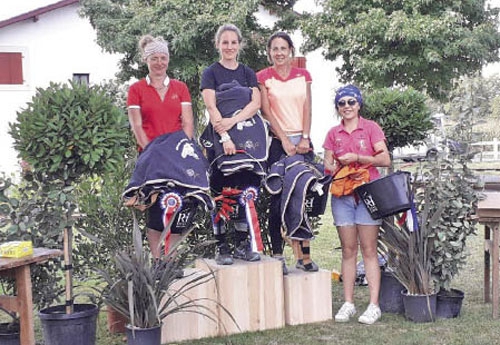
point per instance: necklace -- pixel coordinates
(161, 87)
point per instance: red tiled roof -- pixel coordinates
(35, 13)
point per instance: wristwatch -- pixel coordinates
(224, 137)
(305, 136)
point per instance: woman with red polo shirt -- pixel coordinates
(158, 105)
(356, 142)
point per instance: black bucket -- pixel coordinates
(77, 328)
(386, 196)
(449, 303)
(390, 298)
(140, 336)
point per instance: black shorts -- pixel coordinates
(240, 180)
(182, 221)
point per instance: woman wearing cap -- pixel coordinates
(356, 142)
(158, 105)
(286, 104)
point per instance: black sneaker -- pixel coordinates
(244, 252)
(283, 263)
(223, 256)
(310, 267)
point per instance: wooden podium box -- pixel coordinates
(252, 292)
(187, 325)
(308, 296)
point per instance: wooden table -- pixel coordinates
(488, 211)
(22, 303)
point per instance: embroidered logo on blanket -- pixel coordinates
(248, 123)
(187, 149)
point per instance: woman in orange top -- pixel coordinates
(286, 104)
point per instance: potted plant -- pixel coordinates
(426, 248)
(83, 134)
(407, 242)
(452, 186)
(10, 331)
(146, 293)
(103, 228)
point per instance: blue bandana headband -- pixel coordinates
(349, 91)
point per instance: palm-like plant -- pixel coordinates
(408, 243)
(426, 256)
(146, 293)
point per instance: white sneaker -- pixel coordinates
(371, 314)
(345, 312)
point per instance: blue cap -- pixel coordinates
(349, 90)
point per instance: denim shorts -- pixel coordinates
(346, 211)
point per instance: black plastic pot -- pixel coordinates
(419, 308)
(77, 328)
(9, 334)
(390, 298)
(144, 336)
(449, 303)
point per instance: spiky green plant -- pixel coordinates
(426, 260)
(145, 293)
(408, 248)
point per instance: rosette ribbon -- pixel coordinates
(171, 203)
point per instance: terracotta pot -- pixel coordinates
(116, 321)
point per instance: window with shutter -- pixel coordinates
(11, 68)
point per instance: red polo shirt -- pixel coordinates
(159, 117)
(360, 141)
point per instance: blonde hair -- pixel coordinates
(227, 27)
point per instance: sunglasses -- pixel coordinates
(343, 103)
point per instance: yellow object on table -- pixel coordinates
(16, 249)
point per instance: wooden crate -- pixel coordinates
(252, 292)
(187, 325)
(308, 296)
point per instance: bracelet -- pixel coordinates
(224, 138)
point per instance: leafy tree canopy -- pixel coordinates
(420, 43)
(472, 107)
(403, 115)
(188, 25)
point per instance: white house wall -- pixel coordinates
(56, 46)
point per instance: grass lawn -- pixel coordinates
(475, 325)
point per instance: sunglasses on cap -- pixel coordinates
(343, 102)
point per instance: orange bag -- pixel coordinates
(347, 179)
